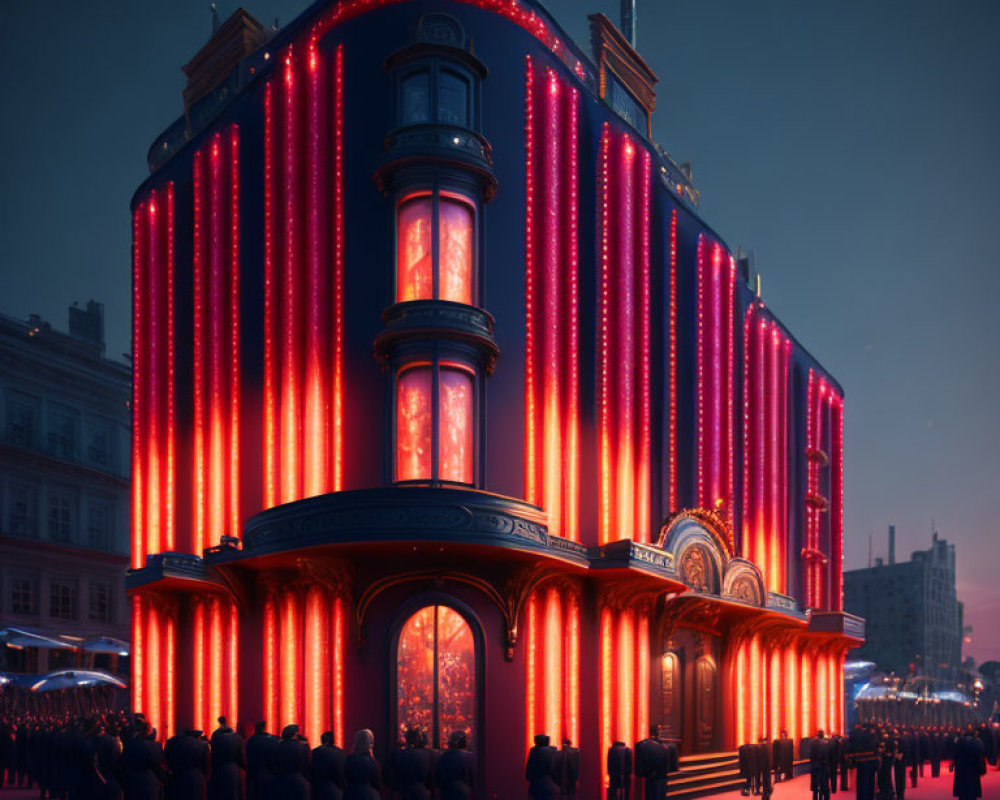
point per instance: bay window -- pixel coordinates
(435, 421)
(435, 247)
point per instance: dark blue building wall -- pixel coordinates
(369, 266)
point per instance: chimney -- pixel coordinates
(628, 21)
(892, 544)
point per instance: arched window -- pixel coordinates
(434, 247)
(436, 675)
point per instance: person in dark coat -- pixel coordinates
(910, 755)
(455, 773)
(88, 780)
(970, 766)
(783, 757)
(898, 750)
(862, 756)
(361, 770)
(542, 768)
(619, 771)
(292, 766)
(109, 753)
(229, 764)
(652, 763)
(327, 770)
(569, 770)
(819, 767)
(260, 763)
(189, 760)
(748, 755)
(412, 767)
(762, 780)
(143, 769)
(884, 789)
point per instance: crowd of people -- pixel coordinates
(116, 756)
(884, 758)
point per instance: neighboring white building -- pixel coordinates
(64, 486)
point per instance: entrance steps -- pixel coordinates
(704, 774)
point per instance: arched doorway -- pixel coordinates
(705, 702)
(436, 675)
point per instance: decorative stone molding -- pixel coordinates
(743, 582)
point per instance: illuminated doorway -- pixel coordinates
(436, 675)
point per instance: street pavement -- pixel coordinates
(928, 788)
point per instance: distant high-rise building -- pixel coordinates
(64, 489)
(914, 618)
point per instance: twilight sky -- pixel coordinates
(853, 144)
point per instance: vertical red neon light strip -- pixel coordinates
(169, 488)
(289, 648)
(791, 718)
(552, 198)
(316, 438)
(739, 692)
(315, 662)
(809, 577)
(138, 654)
(200, 260)
(233, 660)
(234, 338)
(291, 487)
(270, 307)
(531, 669)
(154, 381)
(170, 645)
(531, 482)
(139, 439)
(153, 668)
(272, 653)
(837, 504)
(643, 508)
(604, 418)
(572, 470)
(730, 390)
(337, 401)
(215, 656)
(760, 478)
(773, 346)
(703, 394)
(338, 672)
(607, 686)
(623, 337)
(748, 432)
(552, 642)
(625, 668)
(217, 317)
(642, 677)
(672, 424)
(201, 678)
(573, 669)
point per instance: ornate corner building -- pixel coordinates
(451, 411)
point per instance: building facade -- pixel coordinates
(913, 614)
(64, 487)
(451, 411)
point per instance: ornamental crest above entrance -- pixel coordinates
(700, 543)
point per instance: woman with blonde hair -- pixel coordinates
(362, 770)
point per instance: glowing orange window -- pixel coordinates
(419, 426)
(434, 248)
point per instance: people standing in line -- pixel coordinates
(260, 763)
(292, 765)
(970, 766)
(569, 770)
(455, 773)
(229, 764)
(541, 770)
(653, 760)
(749, 756)
(189, 760)
(361, 770)
(143, 767)
(783, 757)
(619, 771)
(819, 767)
(327, 770)
(412, 767)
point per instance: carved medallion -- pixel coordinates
(693, 569)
